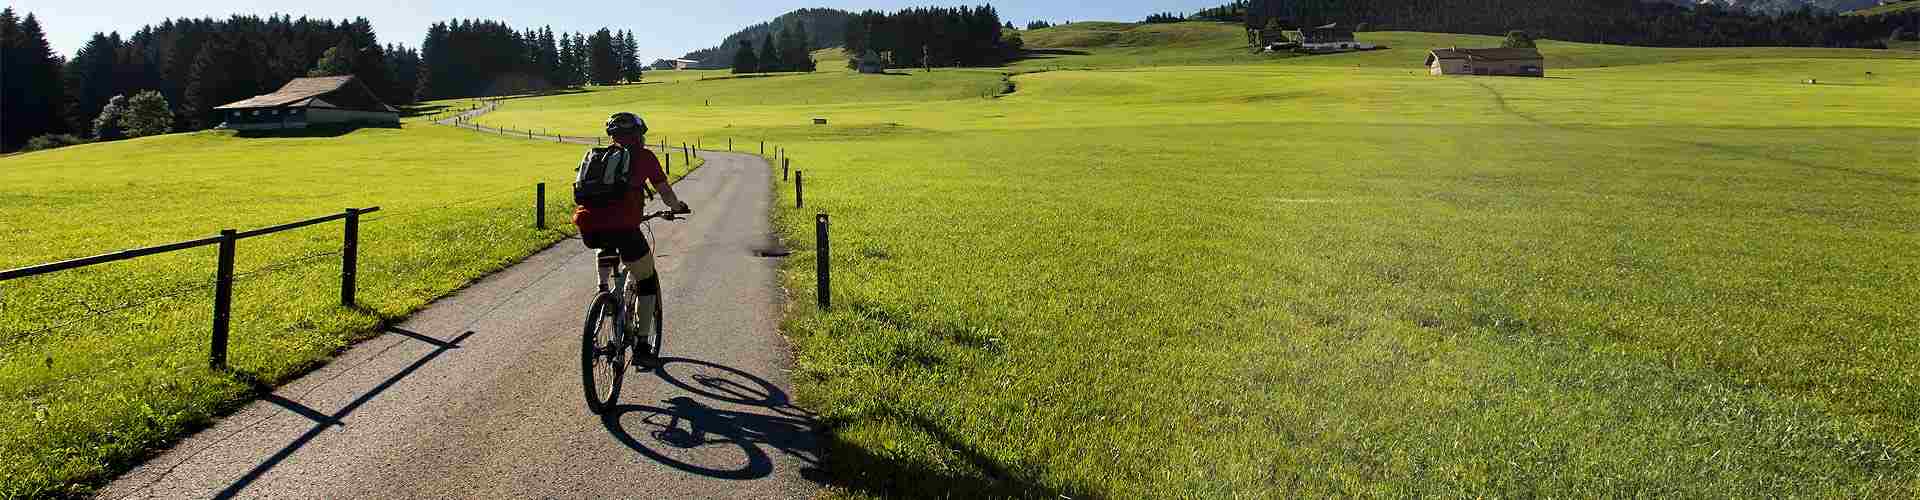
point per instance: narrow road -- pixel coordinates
(478, 395)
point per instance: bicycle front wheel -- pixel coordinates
(602, 354)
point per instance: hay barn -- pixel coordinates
(310, 101)
(1509, 62)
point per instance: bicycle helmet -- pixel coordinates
(624, 122)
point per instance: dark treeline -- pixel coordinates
(466, 58)
(789, 51)
(822, 29)
(930, 36)
(196, 64)
(1164, 17)
(1626, 22)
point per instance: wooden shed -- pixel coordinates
(1497, 61)
(310, 101)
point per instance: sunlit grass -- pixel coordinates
(80, 401)
(1674, 272)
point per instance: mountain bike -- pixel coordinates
(604, 342)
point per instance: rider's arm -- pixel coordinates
(657, 177)
(666, 194)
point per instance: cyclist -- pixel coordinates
(614, 229)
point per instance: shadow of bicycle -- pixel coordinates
(693, 436)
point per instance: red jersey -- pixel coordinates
(626, 213)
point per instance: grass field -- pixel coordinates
(79, 401)
(1885, 9)
(1666, 272)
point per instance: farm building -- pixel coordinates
(685, 64)
(1512, 62)
(310, 101)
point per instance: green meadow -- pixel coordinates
(1182, 271)
(100, 365)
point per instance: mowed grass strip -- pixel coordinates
(1670, 273)
(83, 400)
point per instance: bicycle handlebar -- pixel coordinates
(665, 214)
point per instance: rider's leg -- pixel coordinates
(645, 285)
(607, 259)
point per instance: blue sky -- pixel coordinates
(664, 29)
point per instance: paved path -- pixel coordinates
(479, 394)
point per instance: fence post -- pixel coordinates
(784, 165)
(350, 257)
(729, 144)
(822, 266)
(763, 148)
(540, 205)
(222, 300)
(799, 196)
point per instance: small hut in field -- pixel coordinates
(1500, 61)
(310, 101)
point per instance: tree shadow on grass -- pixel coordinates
(1048, 54)
(309, 132)
(857, 468)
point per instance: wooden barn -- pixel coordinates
(1500, 61)
(310, 101)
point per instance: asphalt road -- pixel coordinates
(479, 395)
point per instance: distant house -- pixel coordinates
(1511, 62)
(1324, 39)
(310, 101)
(685, 64)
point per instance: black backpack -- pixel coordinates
(605, 176)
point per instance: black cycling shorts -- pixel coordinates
(629, 244)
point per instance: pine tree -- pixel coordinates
(631, 58)
(602, 67)
(617, 48)
(744, 60)
(89, 79)
(34, 99)
(769, 55)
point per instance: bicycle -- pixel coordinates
(604, 341)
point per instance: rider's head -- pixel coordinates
(626, 127)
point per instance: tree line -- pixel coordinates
(466, 58)
(930, 36)
(791, 53)
(193, 65)
(1623, 22)
(823, 29)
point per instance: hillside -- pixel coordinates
(824, 27)
(1115, 45)
(1909, 5)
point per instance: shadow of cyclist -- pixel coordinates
(695, 438)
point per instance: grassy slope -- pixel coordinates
(1116, 45)
(1651, 278)
(1886, 9)
(81, 401)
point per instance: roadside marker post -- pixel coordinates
(784, 165)
(222, 299)
(799, 195)
(540, 205)
(822, 265)
(350, 257)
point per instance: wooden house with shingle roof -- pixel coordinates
(1500, 61)
(310, 101)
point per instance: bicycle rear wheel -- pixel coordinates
(602, 355)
